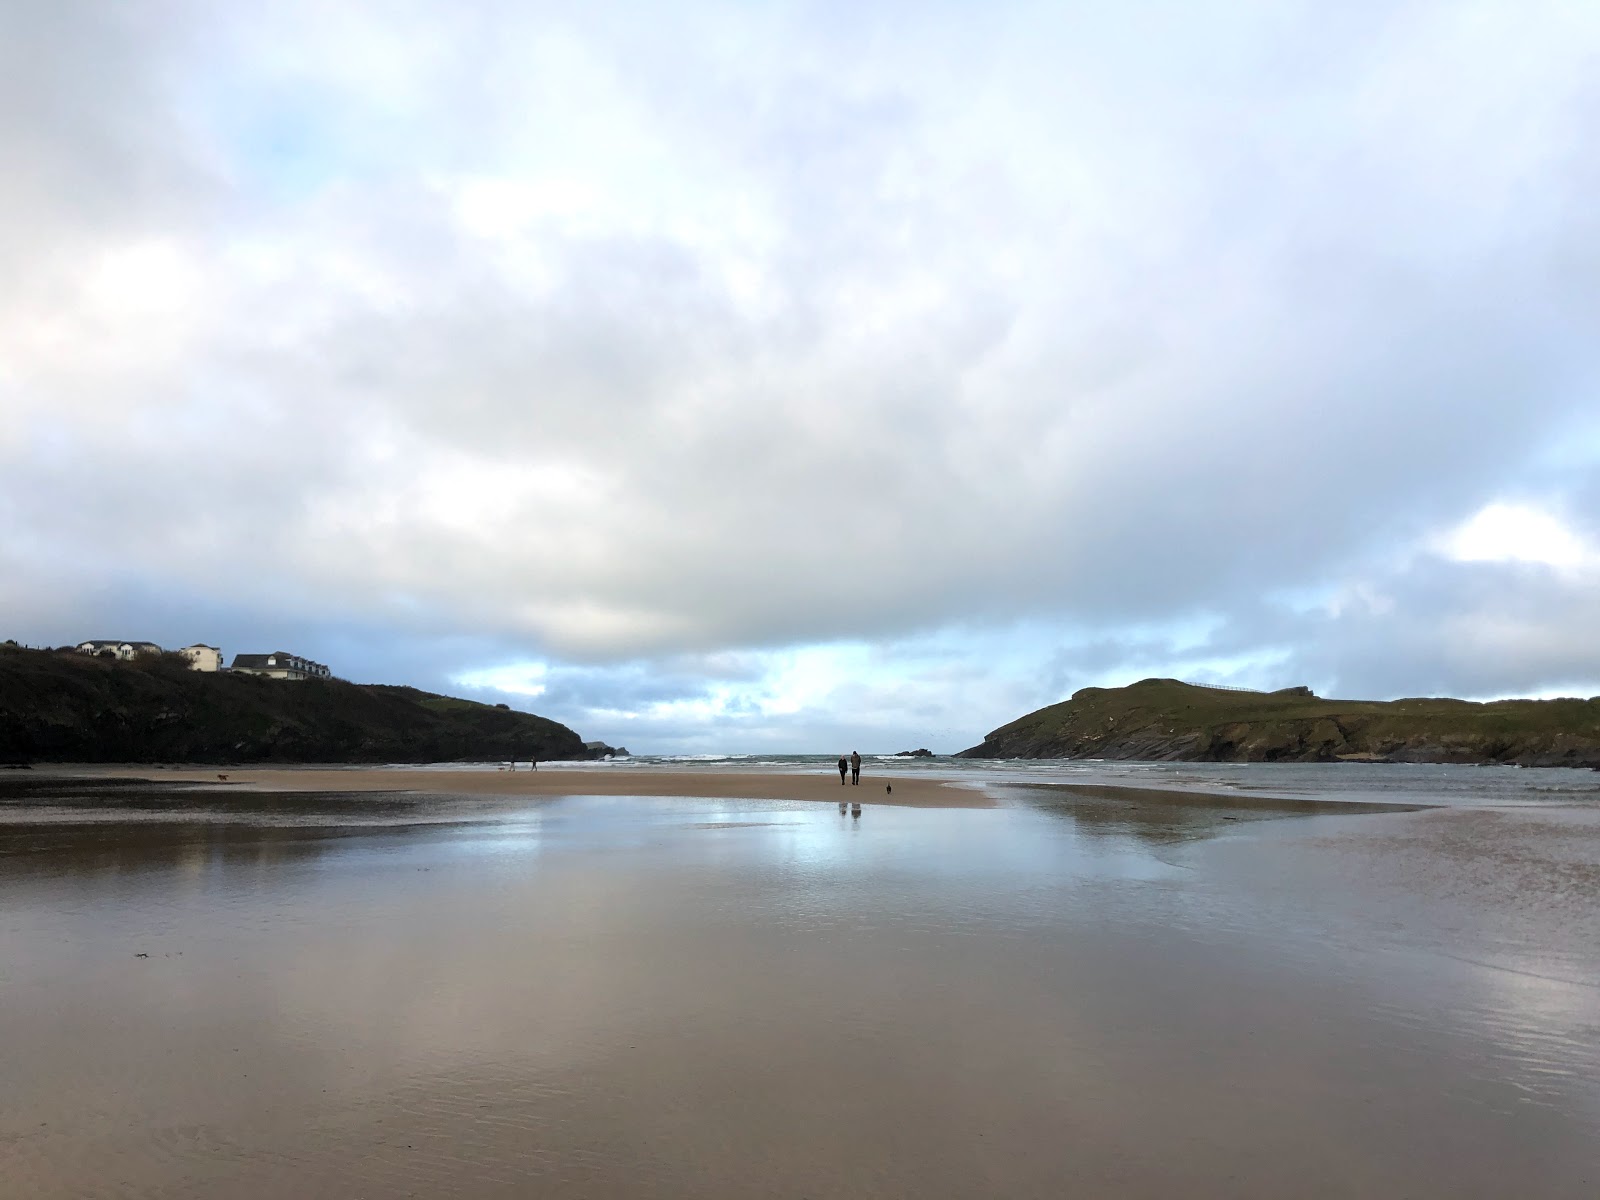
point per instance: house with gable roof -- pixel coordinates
(280, 664)
(203, 657)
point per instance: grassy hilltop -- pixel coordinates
(60, 706)
(1163, 719)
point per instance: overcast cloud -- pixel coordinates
(736, 377)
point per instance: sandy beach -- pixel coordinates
(390, 989)
(907, 791)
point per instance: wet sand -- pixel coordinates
(247, 994)
(908, 791)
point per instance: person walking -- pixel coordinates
(855, 767)
(844, 765)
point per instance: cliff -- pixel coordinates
(1163, 719)
(65, 707)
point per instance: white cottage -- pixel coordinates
(202, 657)
(123, 650)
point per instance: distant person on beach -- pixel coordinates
(844, 765)
(855, 767)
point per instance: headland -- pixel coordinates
(1164, 720)
(60, 706)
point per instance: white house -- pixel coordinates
(279, 665)
(123, 650)
(203, 657)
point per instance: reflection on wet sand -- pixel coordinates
(1161, 816)
(112, 848)
(131, 826)
(618, 997)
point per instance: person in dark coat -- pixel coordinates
(844, 765)
(855, 767)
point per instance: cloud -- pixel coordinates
(464, 339)
(1517, 533)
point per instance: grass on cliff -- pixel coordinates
(1171, 704)
(65, 706)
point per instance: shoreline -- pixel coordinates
(1246, 800)
(908, 791)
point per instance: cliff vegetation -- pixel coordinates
(61, 706)
(1164, 719)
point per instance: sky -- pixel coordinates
(771, 377)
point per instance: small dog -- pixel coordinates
(224, 778)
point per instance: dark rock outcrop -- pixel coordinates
(914, 754)
(1165, 720)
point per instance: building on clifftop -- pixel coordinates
(280, 664)
(126, 651)
(203, 657)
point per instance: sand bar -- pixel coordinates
(908, 791)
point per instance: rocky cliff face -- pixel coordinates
(1163, 720)
(65, 707)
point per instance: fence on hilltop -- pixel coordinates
(1302, 690)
